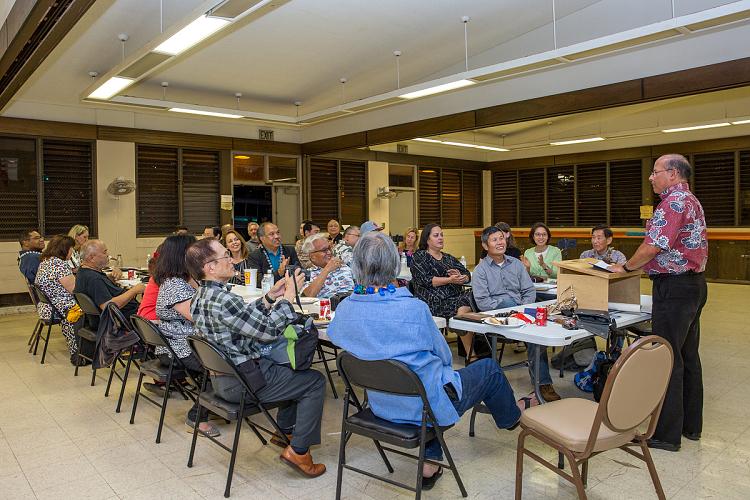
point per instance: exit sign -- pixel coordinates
(265, 135)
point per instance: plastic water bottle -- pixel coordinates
(148, 260)
(403, 262)
(119, 261)
(267, 282)
(462, 260)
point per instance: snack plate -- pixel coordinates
(511, 322)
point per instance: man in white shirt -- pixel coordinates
(328, 275)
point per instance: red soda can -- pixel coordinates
(131, 274)
(541, 316)
(325, 309)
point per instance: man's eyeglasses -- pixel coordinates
(326, 250)
(654, 172)
(226, 255)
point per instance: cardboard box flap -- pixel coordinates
(586, 266)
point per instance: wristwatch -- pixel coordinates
(625, 267)
(269, 299)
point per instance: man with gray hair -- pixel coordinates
(329, 275)
(343, 249)
(674, 254)
(92, 281)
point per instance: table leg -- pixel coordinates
(535, 357)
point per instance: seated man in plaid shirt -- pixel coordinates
(240, 330)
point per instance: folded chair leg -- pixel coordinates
(255, 430)
(448, 456)
(36, 340)
(124, 382)
(652, 470)
(32, 339)
(471, 421)
(195, 439)
(46, 342)
(383, 456)
(519, 463)
(111, 374)
(235, 445)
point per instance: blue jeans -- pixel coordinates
(482, 381)
(535, 352)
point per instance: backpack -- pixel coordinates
(296, 346)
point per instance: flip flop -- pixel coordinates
(429, 482)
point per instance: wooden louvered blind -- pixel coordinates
(744, 199)
(504, 197)
(200, 189)
(531, 196)
(18, 191)
(353, 193)
(324, 189)
(429, 196)
(591, 182)
(625, 193)
(157, 187)
(68, 185)
(471, 198)
(714, 186)
(450, 198)
(560, 196)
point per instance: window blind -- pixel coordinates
(157, 211)
(504, 197)
(471, 198)
(714, 186)
(591, 182)
(531, 196)
(200, 189)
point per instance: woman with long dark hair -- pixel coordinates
(237, 247)
(176, 290)
(438, 276)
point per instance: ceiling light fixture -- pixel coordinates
(577, 141)
(741, 122)
(460, 144)
(438, 89)
(190, 35)
(241, 157)
(111, 87)
(696, 127)
(205, 113)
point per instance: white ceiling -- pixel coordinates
(299, 50)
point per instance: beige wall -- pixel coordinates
(377, 176)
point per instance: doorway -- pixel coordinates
(251, 203)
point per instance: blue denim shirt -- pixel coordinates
(400, 327)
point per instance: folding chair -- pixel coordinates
(215, 360)
(391, 377)
(151, 336)
(39, 324)
(88, 330)
(123, 324)
(55, 318)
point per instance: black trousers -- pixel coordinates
(677, 304)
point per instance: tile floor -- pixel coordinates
(60, 438)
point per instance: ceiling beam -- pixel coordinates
(44, 27)
(699, 80)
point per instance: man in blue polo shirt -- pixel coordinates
(32, 244)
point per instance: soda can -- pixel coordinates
(131, 274)
(541, 316)
(248, 278)
(325, 309)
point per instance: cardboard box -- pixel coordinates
(598, 289)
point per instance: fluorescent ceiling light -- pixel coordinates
(205, 113)
(696, 127)
(190, 35)
(577, 141)
(741, 122)
(437, 89)
(460, 144)
(111, 87)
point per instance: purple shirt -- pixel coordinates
(678, 229)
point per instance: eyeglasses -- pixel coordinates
(654, 172)
(326, 250)
(226, 255)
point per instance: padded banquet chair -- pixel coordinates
(391, 377)
(580, 428)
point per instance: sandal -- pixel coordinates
(211, 431)
(429, 482)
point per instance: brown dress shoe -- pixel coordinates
(276, 439)
(302, 463)
(548, 393)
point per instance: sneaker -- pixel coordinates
(210, 429)
(157, 389)
(548, 393)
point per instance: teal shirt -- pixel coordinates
(553, 255)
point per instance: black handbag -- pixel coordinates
(599, 323)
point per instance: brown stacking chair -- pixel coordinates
(580, 428)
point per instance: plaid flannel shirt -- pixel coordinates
(238, 328)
